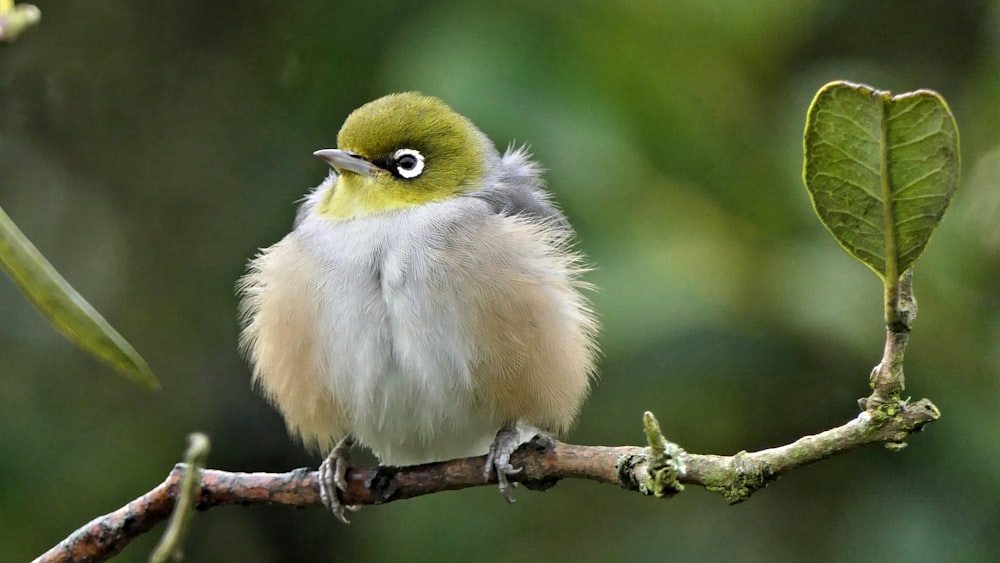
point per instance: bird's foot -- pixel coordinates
(332, 479)
(498, 459)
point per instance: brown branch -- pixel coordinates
(661, 469)
(545, 462)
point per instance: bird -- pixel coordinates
(428, 303)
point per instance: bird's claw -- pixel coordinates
(333, 479)
(498, 460)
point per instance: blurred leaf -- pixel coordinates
(880, 170)
(14, 20)
(66, 309)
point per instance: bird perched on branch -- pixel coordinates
(427, 302)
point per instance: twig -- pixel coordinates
(545, 462)
(661, 469)
(887, 379)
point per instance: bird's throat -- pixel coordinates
(354, 196)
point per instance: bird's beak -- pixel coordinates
(347, 161)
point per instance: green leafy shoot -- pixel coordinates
(65, 308)
(881, 170)
(15, 19)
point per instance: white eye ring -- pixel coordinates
(408, 163)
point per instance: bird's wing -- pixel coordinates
(517, 189)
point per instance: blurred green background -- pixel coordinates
(148, 149)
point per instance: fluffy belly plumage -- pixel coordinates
(414, 341)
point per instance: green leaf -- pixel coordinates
(14, 20)
(65, 308)
(880, 170)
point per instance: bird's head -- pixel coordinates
(401, 151)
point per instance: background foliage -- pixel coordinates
(149, 149)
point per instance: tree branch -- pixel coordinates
(545, 462)
(660, 469)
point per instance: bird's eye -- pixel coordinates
(408, 163)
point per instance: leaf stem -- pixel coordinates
(891, 277)
(887, 379)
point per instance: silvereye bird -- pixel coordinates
(426, 304)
